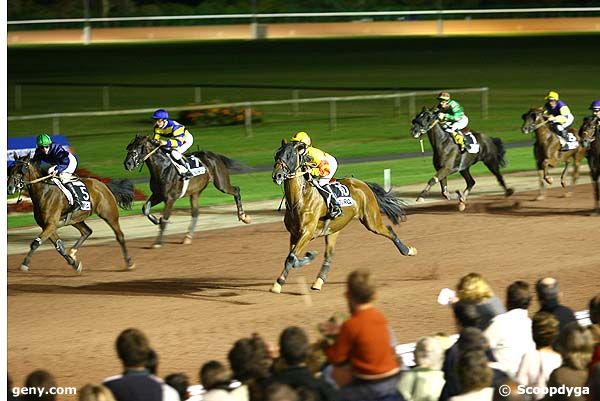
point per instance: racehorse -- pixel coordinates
(50, 209)
(590, 135)
(167, 187)
(447, 158)
(305, 211)
(547, 152)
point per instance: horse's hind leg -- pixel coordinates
(222, 183)
(330, 241)
(495, 169)
(563, 182)
(444, 188)
(374, 223)
(85, 231)
(462, 197)
(77, 265)
(195, 212)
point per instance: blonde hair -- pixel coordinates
(473, 287)
(92, 392)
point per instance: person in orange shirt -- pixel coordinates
(363, 346)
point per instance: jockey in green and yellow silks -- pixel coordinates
(453, 118)
(322, 168)
(175, 137)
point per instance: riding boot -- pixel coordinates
(76, 201)
(564, 134)
(187, 173)
(333, 208)
(460, 141)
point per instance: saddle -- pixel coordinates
(81, 190)
(194, 164)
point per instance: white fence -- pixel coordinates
(295, 102)
(253, 18)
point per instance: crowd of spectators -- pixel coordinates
(501, 353)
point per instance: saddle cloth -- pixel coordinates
(471, 142)
(81, 190)
(342, 193)
(571, 144)
(196, 167)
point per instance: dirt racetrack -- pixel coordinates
(194, 301)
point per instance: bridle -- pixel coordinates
(430, 125)
(289, 173)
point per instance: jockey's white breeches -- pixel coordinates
(332, 169)
(65, 175)
(457, 125)
(178, 151)
(567, 124)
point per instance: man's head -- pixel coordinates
(444, 98)
(518, 296)
(466, 314)
(133, 348)
(595, 309)
(214, 374)
(361, 288)
(160, 117)
(473, 371)
(595, 107)
(552, 98)
(293, 345)
(545, 328)
(547, 290)
(43, 142)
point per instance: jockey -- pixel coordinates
(63, 165)
(175, 137)
(595, 107)
(322, 168)
(559, 115)
(453, 118)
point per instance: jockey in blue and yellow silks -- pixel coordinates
(175, 137)
(560, 117)
(322, 168)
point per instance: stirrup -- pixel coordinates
(335, 211)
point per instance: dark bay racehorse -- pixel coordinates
(306, 209)
(546, 150)
(590, 135)
(167, 186)
(447, 158)
(50, 206)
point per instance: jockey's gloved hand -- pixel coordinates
(551, 118)
(53, 170)
(441, 116)
(163, 142)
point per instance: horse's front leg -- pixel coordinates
(164, 221)
(77, 265)
(545, 165)
(444, 188)
(329, 247)
(292, 261)
(440, 175)
(35, 244)
(152, 201)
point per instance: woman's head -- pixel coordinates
(575, 344)
(473, 287)
(545, 328)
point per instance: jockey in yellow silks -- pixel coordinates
(560, 117)
(175, 137)
(322, 168)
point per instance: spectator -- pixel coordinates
(575, 345)
(152, 362)
(137, 383)
(281, 392)
(594, 384)
(475, 377)
(93, 392)
(216, 380)
(473, 287)
(180, 382)
(363, 344)
(548, 294)
(294, 348)
(509, 334)
(39, 379)
(538, 364)
(251, 362)
(594, 308)
(9, 386)
(425, 381)
(512, 395)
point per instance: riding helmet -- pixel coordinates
(552, 95)
(160, 114)
(302, 137)
(43, 140)
(444, 96)
(595, 105)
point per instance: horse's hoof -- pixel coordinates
(412, 251)
(549, 180)
(540, 197)
(24, 268)
(310, 255)
(130, 267)
(187, 240)
(276, 288)
(462, 206)
(79, 267)
(567, 194)
(73, 253)
(446, 195)
(318, 284)
(157, 245)
(509, 192)
(420, 199)
(246, 219)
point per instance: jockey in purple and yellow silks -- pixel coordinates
(560, 117)
(322, 168)
(175, 137)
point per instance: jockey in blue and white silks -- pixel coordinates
(175, 137)
(62, 165)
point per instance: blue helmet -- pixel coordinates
(160, 114)
(595, 105)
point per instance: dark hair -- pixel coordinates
(466, 313)
(547, 289)
(545, 328)
(40, 378)
(474, 372)
(472, 339)
(518, 295)
(293, 345)
(152, 361)
(280, 392)
(575, 344)
(180, 382)
(595, 309)
(249, 359)
(133, 348)
(361, 286)
(214, 374)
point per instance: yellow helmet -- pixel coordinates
(302, 137)
(552, 95)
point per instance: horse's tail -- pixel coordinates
(495, 155)
(206, 156)
(123, 192)
(390, 205)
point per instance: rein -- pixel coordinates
(150, 153)
(38, 179)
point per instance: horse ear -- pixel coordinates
(284, 142)
(15, 156)
(424, 109)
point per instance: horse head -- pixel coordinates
(532, 120)
(288, 161)
(137, 150)
(423, 122)
(17, 174)
(587, 133)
